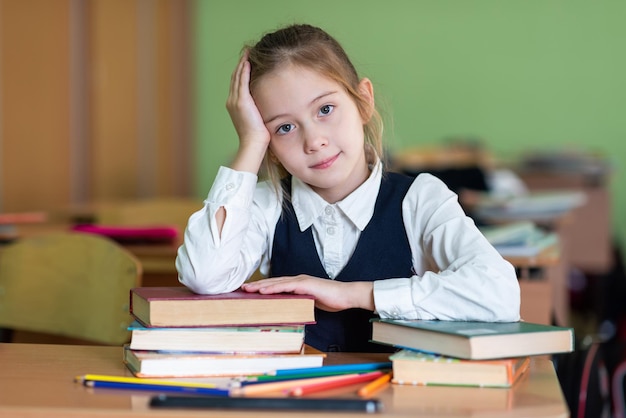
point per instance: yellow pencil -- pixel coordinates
(373, 386)
(138, 380)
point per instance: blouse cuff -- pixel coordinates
(233, 188)
(393, 299)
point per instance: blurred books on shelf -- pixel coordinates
(521, 239)
(534, 205)
(474, 340)
(572, 162)
(419, 368)
(9, 222)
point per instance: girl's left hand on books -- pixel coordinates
(330, 295)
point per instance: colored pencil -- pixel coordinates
(161, 388)
(333, 369)
(263, 379)
(141, 380)
(375, 385)
(341, 381)
(279, 403)
(282, 385)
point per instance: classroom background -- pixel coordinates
(116, 99)
(109, 101)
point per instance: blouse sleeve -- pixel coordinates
(209, 262)
(459, 275)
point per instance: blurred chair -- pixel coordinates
(71, 286)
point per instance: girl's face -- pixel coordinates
(316, 129)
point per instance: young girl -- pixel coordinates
(330, 221)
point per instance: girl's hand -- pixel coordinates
(330, 295)
(254, 137)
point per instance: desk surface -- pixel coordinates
(37, 381)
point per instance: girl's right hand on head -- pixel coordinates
(244, 112)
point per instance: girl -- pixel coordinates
(330, 221)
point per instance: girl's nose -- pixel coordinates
(314, 140)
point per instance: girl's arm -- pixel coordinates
(224, 241)
(460, 276)
(254, 137)
(217, 258)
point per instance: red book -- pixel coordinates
(180, 307)
(132, 234)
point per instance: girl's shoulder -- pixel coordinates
(428, 186)
(266, 196)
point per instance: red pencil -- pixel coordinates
(336, 383)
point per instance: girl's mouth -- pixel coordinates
(326, 163)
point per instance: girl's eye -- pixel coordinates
(284, 129)
(326, 109)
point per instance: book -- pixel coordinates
(521, 239)
(12, 218)
(510, 232)
(533, 204)
(180, 307)
(419, 368)
(474, 340)
(132, 234)
(534, 245)
(270, 338)
(188, 364)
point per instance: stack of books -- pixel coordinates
(463, 353)
(177, 333)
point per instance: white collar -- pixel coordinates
(358, 206)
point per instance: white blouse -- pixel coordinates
(458, 274)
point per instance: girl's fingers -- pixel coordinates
(235, 80)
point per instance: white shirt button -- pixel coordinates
(230, 186)
(328, 211)
(330, 230)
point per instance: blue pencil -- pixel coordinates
(158, 388)
(333, 369)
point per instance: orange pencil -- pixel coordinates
(339, 382)
(262, 388)
(373, 386)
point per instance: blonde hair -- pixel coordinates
(312, 48)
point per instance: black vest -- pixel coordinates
(382, 251)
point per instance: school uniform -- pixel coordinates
(294, 252)
(455, 274)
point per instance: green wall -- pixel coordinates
(520, 75)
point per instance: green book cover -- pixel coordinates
(470, 329)
(474, 340)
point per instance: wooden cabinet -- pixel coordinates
(94, 101)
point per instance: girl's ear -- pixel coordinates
(366, 90)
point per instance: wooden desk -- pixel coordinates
(541, 279)
(158, 262)
(37, 381)
(554, 261)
